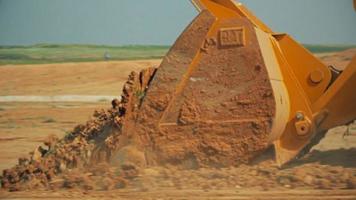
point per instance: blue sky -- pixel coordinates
(121, 22)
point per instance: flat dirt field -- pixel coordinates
(328, 172)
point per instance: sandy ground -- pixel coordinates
(97, 78)
(24, 125)
(338, 60)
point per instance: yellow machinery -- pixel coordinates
(230, 87)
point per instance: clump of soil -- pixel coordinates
(73, 160)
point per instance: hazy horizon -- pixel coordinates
(159, 22)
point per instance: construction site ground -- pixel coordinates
(328, 172)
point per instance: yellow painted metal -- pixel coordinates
(289, 143)
(238, 8)
(258, 23)
(304, 64)
(280, 91)
(307, 101)
(338, 104)
(218, 8)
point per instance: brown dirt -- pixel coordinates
(24, 125)
(94, 78)
(82, 148)
(338, 59)
(332, 170)
(212, 112)
(30, 123)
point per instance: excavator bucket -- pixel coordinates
(230, 88)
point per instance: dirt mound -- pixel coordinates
(83, 148)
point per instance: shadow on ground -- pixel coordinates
(338, 157)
